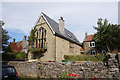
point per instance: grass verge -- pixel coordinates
(84, 57)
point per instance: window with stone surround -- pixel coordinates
(41, 38)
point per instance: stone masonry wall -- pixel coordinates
(56, 70)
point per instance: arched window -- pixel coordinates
(42, 38)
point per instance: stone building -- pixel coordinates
(19, 46)
(55, 38)
(89, 44)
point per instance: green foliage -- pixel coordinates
(37, 52)
(39, 66)
(98, 57)
(107, 56)
(64, 75)
(20, 55)
(32, 38)
(7, 56)
(27, 78)
(5, 38)
(13, 56)
(107, 36)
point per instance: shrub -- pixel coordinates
(84, 57)
(99, 57)
(107, 56)
(66, 56)
(5, 57)
(12, 56)
(37, 52)
(8, 56)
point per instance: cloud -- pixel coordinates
(79, 17)
(60, 0)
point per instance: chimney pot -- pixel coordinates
(24, 37)
(61, 18)
(13, 39)
(85, 34)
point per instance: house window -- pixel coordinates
(93, 52)
(92, 44)
(42, 38)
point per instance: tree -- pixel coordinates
(14, 47)
(107, 36)
(5, 38)
(32, 38)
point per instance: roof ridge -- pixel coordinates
(55, 28)
(48, 17)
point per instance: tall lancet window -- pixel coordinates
(42, 39)
(37, 41)
(39, 37)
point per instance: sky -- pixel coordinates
(80, 17)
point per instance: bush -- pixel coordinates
(37, 52)
(20, 55)
(8, 56)
(107, 56)
(5, 57)
(99, 57)
(84, 57)
(66, 56)
(13, 56)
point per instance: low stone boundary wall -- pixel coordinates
(57, 70)
(89, 69)
(119, 59)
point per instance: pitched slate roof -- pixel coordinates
(55, 28)
(88, 38)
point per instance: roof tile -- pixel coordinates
(88, 38)
(68, 35)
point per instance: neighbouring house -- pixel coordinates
(89, 44)
(19, 46)
(55, 38)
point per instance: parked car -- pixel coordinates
(9, 73)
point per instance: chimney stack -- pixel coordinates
(13, 39)
(85, 34)
(24, 37)
(61, 25)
